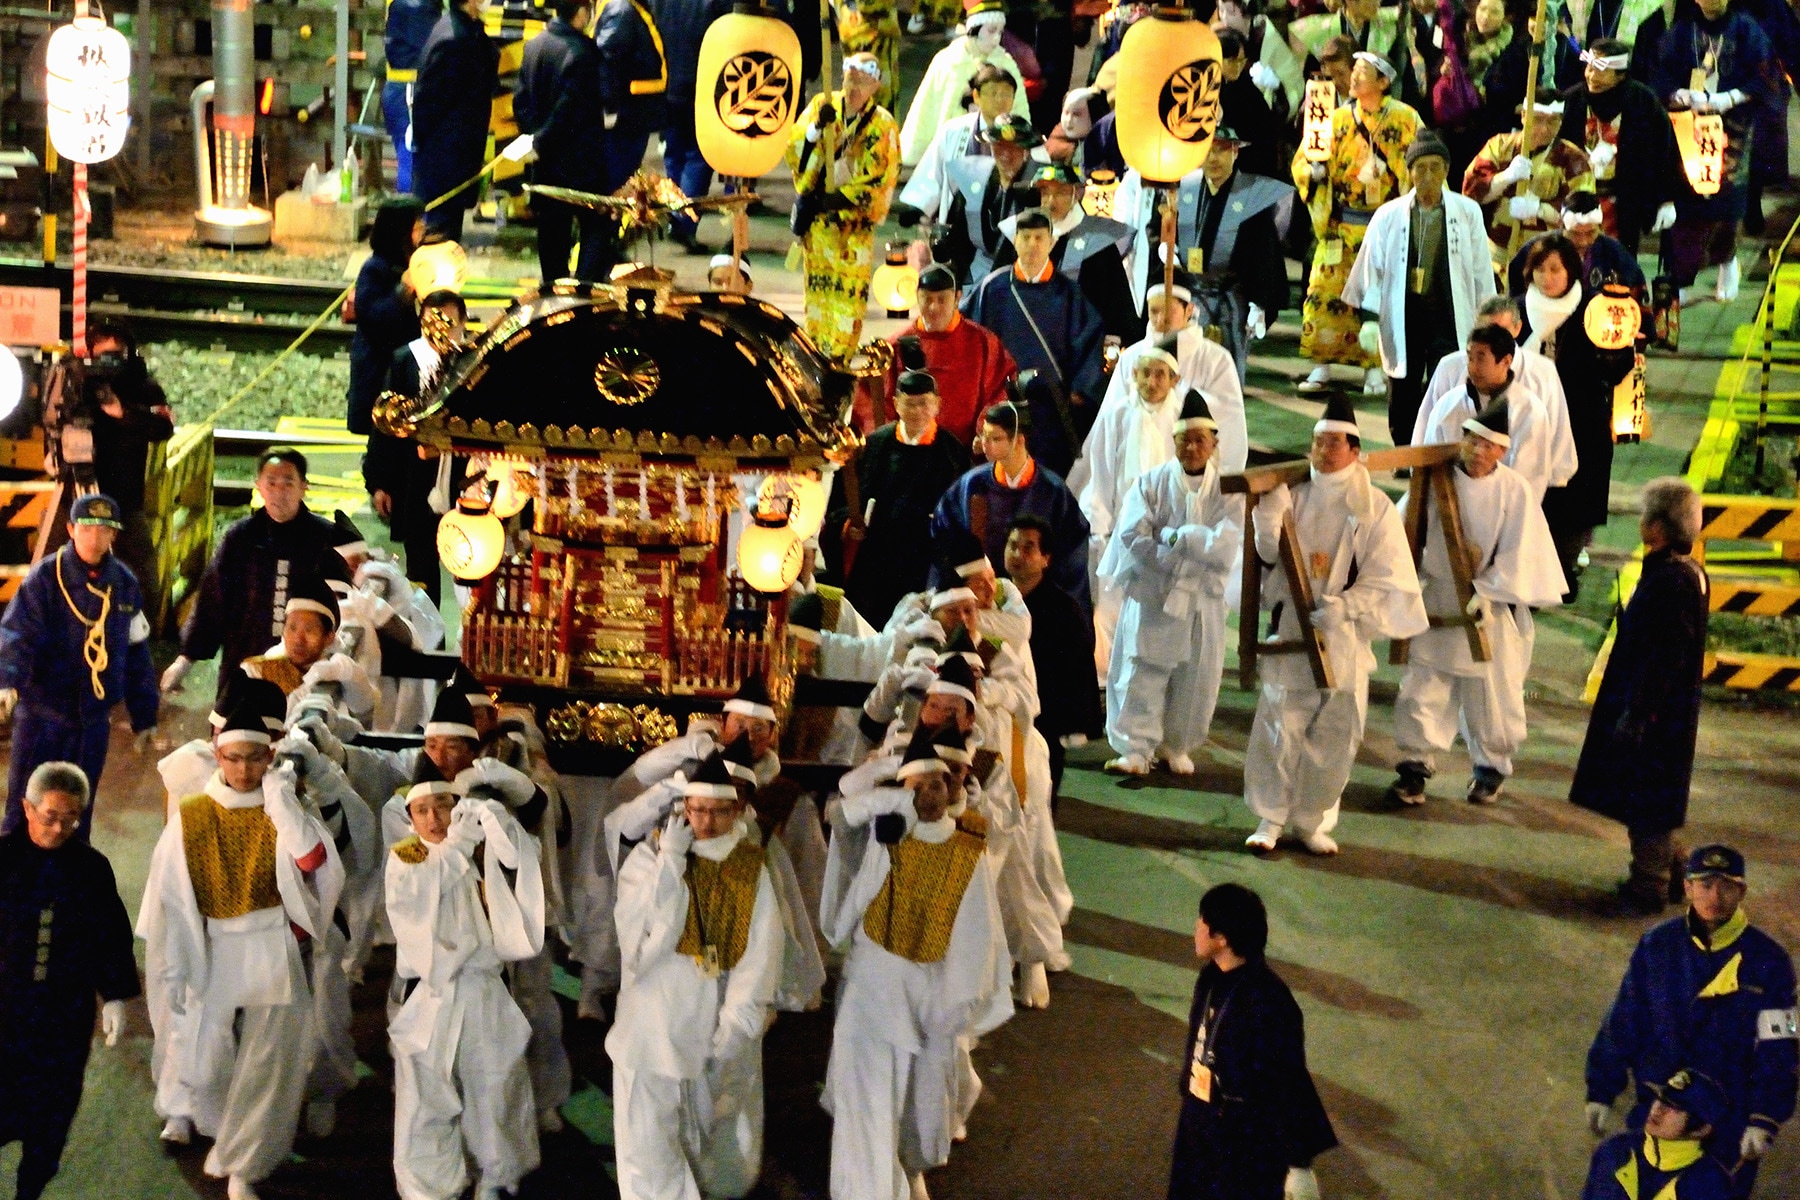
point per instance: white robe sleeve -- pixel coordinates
(1446, 378)
(512, 872)
(1101, 455)
(1385, 601)
(977, 996)
(751, 989)
(1524, 567)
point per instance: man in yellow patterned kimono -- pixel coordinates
(873, 27)
(844, 152)
(1367, 168)
(1553, 167)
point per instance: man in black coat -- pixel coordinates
(1251, 1122)
(633, 85)
(556, 101)
(244, 591)
(64, 938)
(1629, 143)
(1243, 109)
(1062, 645)
(1637, 761)
(452, 103)
(682, 24)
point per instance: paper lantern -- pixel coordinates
(1097, 196)
(470, 540)
(509, 498)
(1168, 96)
(748, 91)
(769, 553)
(1315, 127)
(1701, 139)
(87, 83)
(438, 267)
(803, 497)
(1631, 410)
(1613, 318)
(895, 284)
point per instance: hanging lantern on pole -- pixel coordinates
(748, 90)
(895, 282)
(1613, 318)
(470, 540)
(804, 497)
(1168, 96)
(1701, 140)
(1315, 128)
(87, 82)
(769, 552)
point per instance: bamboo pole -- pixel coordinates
(1539, 37)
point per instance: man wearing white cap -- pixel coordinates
(1353, 548)
(701, 936)
(1539, 447)
(240, 874)
(728, 273)
(1171, 555)
(462, 1092)
(1444, 689)
(943, 93)
(1549, 166)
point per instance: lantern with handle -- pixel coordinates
(769, 552)
(895, 282)
(87, 69)
(1701, 140)
(470, 540)
(1315, 126)
(1613, 318)
(1168, 95)
(438, 267)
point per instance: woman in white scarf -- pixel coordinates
(1554, 266)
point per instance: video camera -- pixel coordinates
(75, 393)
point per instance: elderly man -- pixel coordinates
(1550, 167)
(700, 933)
(1622, 127)
(74, 642)
(1171, 553)
(1668, 1158)
(1709, 992)
(1418, 278)
(1638, 758)
(849, 196)
(461, 1088)
(242, 883)
(1444, 689)
(64, 938)
(242, 600)
(1304, 737)
(1538, 447)
(968, 363)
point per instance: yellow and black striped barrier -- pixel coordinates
(1749, 519)
(1772, 672)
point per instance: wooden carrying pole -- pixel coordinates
(1525, 118)
(1437, 483)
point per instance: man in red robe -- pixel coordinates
(969, 363)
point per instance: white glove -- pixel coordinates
(923, 655)
(1601, 156)
(1263, 77)
(519, 150)
(728, 1042)
(491, 773)
(300, 745)
(1523, 208)
(465, 828)
(1755, 1144)
(496, 831)
(917, 679)
(1597, 1117)
(1256, 324)
(677, 836)
(1683, 98)
(609, 120)
(334, 668)
(1370, 337)
(1301, 1184)
(1518, 170)
(1724, 102)
(920, 629)
(171, 678)
(1665, 217)
(1480, 609)
(283, 809)
(318, 732)
(9, 700)
(812, 135)
(1318, 172)
(1330, 614)
(112, 1025)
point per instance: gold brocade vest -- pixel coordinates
(915, 910)
(277, 670)
(973, 824)
(230, 857)
(721, 899)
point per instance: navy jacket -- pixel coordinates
(1625, 1156)
(409, 25)
(683, 26)
(980, 504)
(385, 321)
(1725, 1009)
(558, 102)
(41, 642)
(634, 51)
(452, 103)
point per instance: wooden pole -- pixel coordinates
(1525, 120)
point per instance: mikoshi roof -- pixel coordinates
(639, 366)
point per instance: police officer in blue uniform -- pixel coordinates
(1668, 1160)
(74, 642)
(1712, 993)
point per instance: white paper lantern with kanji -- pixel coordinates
(1315, 123)
(87, 82)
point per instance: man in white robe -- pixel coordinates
(1444, 688)
(1542, 449)
(700, 933)
(932, 185)
(945, 88)
(1304, 738)
(465, 897)
(238, 869)
(926, 967)
(1172, 555)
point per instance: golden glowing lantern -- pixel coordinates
(1701, 140)
(87, 83)
(769, 553)
(438, 267)
(1613, 318)
(509, 497)
(748, 90)
(1168, 97)
(1315, 123)
(895, 284)
(804, 498)
(1097, 196)
(470, 540)
(1631, 410)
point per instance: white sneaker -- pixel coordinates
(1034, 985)
(1375, 382)
(550, 1121)
(1128, 764)
(1181, 764)
(177, 1131)
(1726, 289)
(918, 1187)
(321, 1117)
(1320, 843)
(1316, 380)
(238, 1188)
(1267, 834)
(1692, 295)
(916, 25)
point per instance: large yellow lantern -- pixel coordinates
(438, 267)
(1613, 318)
(87, 82)
(895, 283)
(802, 495)
(470, 540)
(1315, 121)
(747, 91)
(1701, 140)
(769, 553)
(1168, 97)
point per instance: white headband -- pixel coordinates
(749, 708)
(920, 766)
(711, 791)
(1550, 108)
(1615, 62)
(1380, 64)
(1471, 425)
(867, 64)
(1184, 424)
(451, 729)
(727, 260)
(1180, 293)
(949, 596)
(1573, 220)
(436, 787)
(1324, 425)
(984, 18)
(227, 736)
(974, 566)
(302, 604)
(1158, 354)
(939, 687)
